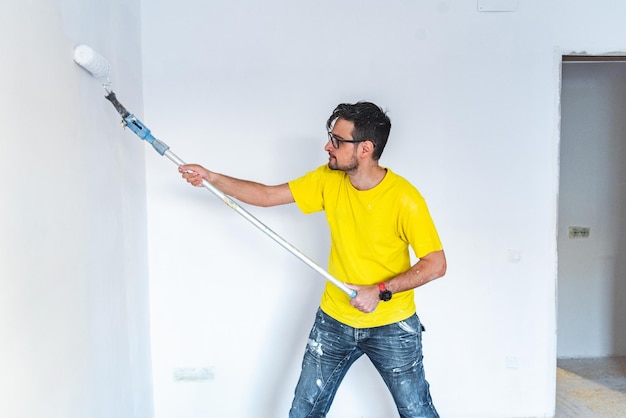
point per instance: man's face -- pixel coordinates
(343, 158)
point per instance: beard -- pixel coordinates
(348, 168)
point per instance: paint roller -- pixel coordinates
(96, 65)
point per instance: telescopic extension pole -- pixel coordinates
(99, 67)
(143, 132)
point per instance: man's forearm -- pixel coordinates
(251, 192)
(243, 190)
(427, 269)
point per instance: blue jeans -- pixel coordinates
(395, 350)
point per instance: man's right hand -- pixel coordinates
(193, 173)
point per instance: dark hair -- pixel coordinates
(371, 123)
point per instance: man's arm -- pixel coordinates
(428, 268)
(246, 191)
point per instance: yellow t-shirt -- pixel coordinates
(370, 233)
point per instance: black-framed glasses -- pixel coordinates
(335, 140)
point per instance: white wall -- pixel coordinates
(592, 284)
(245, 88)
(73, 259)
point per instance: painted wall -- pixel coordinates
(73, 254)
(245, 88)
(592, 286)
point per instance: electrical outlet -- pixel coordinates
(576, 232)
(193, 374)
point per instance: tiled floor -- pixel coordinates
(591, 388)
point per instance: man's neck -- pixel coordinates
(366, 178)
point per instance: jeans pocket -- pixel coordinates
(411, 325)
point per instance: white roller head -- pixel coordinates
(91, 61)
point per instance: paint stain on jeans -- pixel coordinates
(316, 347)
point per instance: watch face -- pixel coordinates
(385, 295)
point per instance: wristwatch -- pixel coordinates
(385, 294)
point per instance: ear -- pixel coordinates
(367, 148)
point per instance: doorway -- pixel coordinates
(592, 194)
(591, 288)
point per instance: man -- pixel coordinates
(374, 217)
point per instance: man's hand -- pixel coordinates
(193, 173)
(367, 298)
